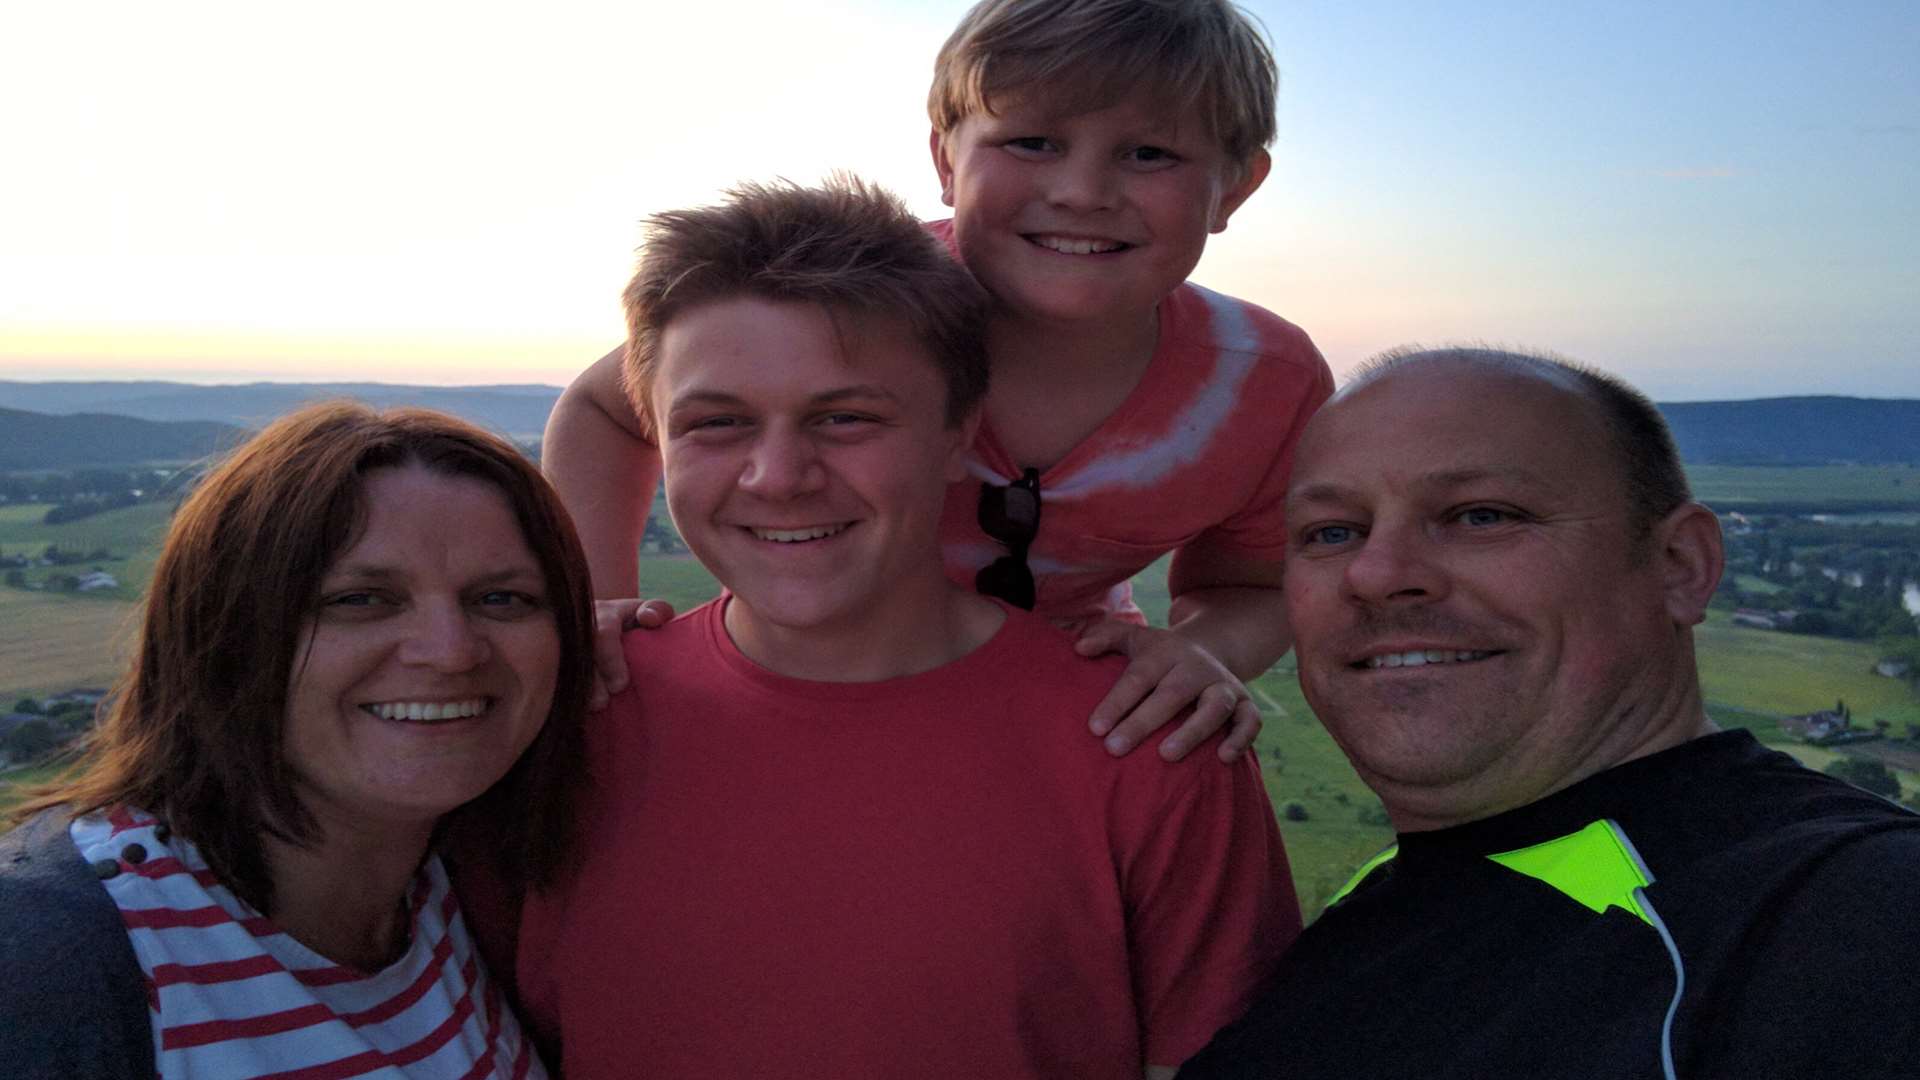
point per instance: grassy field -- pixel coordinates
(51, 642)
(1730, 487)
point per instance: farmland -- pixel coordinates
(53, 641)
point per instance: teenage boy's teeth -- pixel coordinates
(1067, 245)
(1428, 656)
(428, 710)
(794, 536)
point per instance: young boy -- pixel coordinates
(847, 823)
(1087, 148)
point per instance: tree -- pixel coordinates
(1867, 775)
(29, 706)
(30, 740)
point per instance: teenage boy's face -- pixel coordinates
(1088, 217)
(805, 467)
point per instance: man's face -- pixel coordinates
(1086, 217)
(1473, 614)
(806, 467)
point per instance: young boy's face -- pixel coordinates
(1088, 217)
(806, 464)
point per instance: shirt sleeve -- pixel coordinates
(1210, 901)
(1259, 528)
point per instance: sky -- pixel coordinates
(1715, 200)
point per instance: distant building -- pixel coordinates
(1893, 669)
(1756, 618)
(98, 579)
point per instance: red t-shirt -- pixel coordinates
(1202, 447)
(938, 875)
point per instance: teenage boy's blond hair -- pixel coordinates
(1089, 54)
(849, 246)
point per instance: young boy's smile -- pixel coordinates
(806, 458)
(1086, 217)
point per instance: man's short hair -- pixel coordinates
(1655, 481)
(848, 246)
(1091, 54)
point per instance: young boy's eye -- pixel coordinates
(1152, 156)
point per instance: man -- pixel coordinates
(848, 822)
(1493, 574)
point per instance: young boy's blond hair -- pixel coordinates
(1206, 54)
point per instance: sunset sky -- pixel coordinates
(1717, 200)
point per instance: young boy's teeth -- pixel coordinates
(1428, 656)
(1067, 245)
(794, 536)
(428, 710)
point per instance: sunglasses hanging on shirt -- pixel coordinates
(1010, 513)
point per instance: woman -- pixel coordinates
(365, 631)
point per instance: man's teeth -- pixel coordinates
(1429, 656)
(428, 710)
(794, 536)
(1069, 245)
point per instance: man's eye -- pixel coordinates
(1331, 534)
(1482, 516)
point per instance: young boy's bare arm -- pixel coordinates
(605, 471)
(1227, 624)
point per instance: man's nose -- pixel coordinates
(1397, 563)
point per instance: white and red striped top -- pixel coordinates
(232, 995)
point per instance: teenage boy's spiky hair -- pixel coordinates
(1089, 54)
(848, 246)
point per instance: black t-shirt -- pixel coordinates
(1792, 901)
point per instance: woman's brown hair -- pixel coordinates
(193, 730)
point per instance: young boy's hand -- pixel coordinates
(612, 618)
(1166, 673)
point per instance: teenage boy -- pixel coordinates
(847, 823)
(1087, 148)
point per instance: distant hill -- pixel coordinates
(31, 440)
(1766, 431)
(518, 410)
(1797, 431)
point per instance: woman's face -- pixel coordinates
(429, 661)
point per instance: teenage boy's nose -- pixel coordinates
(781, 465)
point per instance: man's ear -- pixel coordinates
(941, 165)
(1692, 558)
(1251, 174)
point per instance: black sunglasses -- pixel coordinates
(1010, 513)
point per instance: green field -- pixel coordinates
(1730, 487)
(51, 642)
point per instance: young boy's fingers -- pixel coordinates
(1155, 712)
(1212, 710)
(652, 614)
(1105, 636)
(1143, 674)
(1246, 726)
